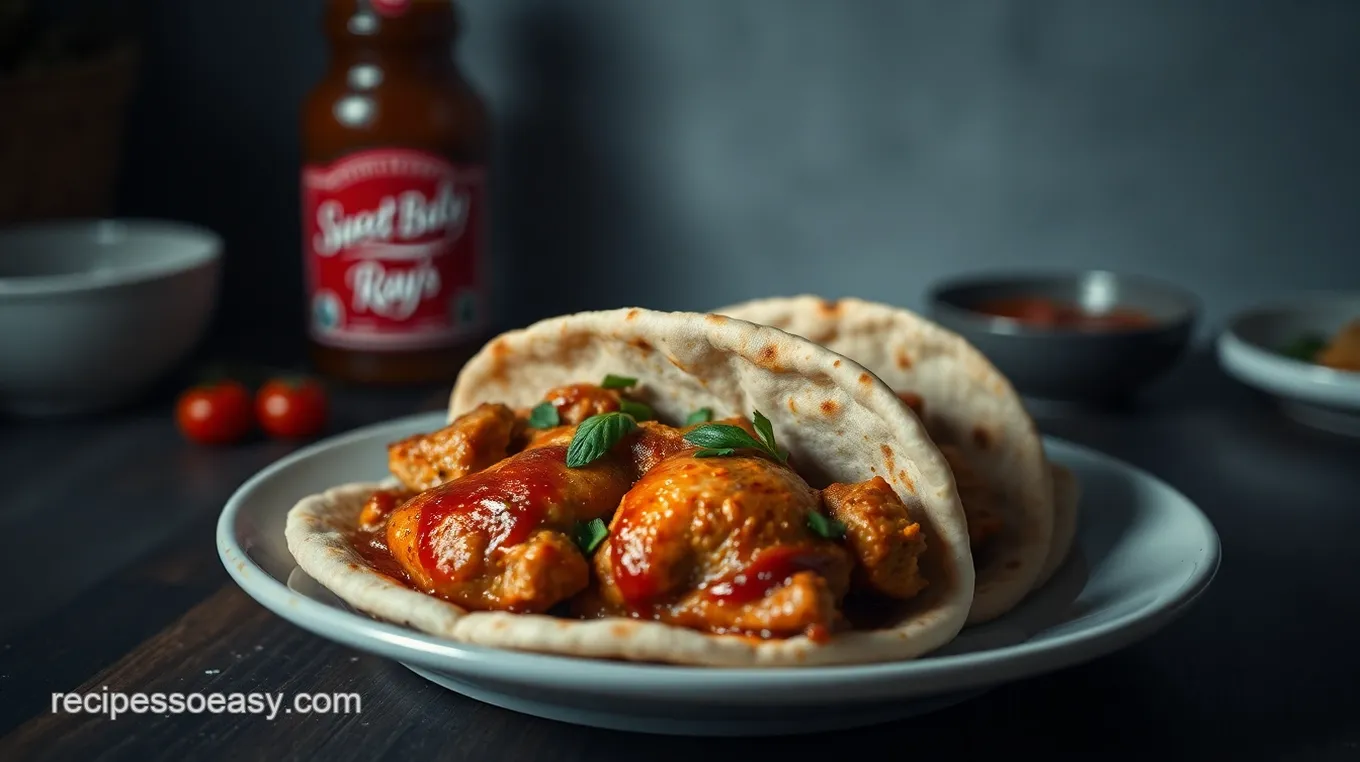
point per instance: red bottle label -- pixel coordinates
(390, 7)
(394, 242)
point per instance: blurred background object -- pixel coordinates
(688, 155)
(394, 197)
(94, 313)
(67, 70)
(1304, 354)
(1094, 336)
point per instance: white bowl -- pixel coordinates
(93, 312)
(1250, 351)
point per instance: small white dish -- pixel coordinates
(1251, 350)
(92, 312)
(1143, 553)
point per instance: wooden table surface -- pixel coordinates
(115, 583)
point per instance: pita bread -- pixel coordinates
(1066, 496)
(838, 421)
(968, 404)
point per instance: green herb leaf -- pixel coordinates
(714, 452)
(1305, 348)
(612, 381)
(544, 416)
(724, 436)
(596, 436)
(637, 410)
(589, 534)
(831, 529)
(702, 415)
(766, 432)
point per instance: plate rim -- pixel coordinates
(679, 682)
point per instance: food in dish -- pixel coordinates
(654, 486)
(1021, 510)
(1340, 352)
(1042, 312)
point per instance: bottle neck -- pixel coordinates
(426, 29)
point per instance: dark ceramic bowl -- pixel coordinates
(1071, 364)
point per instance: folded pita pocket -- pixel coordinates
(1066, 496)
(968, 404)
(829, 412)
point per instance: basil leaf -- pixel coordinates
(589, 534)
(702, 415)
(544, 416)
(831, 529)
(766, 432)
(637, 410)
(714, 452)
(596, 436)
(723, 435)
(612, 381)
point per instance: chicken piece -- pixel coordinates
(577, 402)
(380, 505)
(722, 545)
(886, 543)
(476, 440)
(653, 443)
(574, 403)
(1343, 351)
(977, 497)
(557, 435)
(499, 539)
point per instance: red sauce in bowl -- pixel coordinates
(1041, 312)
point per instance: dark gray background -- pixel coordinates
(687, 154)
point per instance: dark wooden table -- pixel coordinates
(113, 581)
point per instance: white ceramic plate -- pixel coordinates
(1143, 553)
(1250, 350)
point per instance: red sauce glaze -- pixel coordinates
(771, 568)
(636, 581)
(372, 547)
(381, 505)
(1040, 312)
(506, 504)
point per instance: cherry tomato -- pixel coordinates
(214, 414)
(291, 409)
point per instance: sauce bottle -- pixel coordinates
(395, 147)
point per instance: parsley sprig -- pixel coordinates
(702, 415)
(722, 439)
(596, 436)
(589, 534)
(544, 416)
(612, 381)
(831, 529)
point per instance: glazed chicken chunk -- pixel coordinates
(471, 443)
(886, 543)
(721, 544)
(577, 402)
(500, 538)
